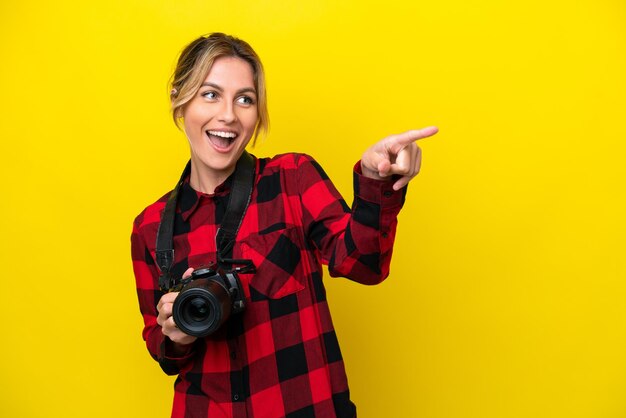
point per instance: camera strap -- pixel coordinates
(238, 201)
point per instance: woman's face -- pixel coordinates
(220, 120)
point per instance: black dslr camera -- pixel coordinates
(206, 300)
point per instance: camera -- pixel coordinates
(206, 300)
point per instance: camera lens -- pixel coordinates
(198, 309)
(201, 307)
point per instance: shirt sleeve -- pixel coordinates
(149, 294)
(356, 243)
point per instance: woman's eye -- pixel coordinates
(210, 95)
(247, 100)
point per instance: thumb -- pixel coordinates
(187, 273)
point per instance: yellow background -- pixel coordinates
(506, 297)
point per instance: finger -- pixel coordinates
(404, 161)
(187, 273)
(374, 160)
(166, 310)
(415, 168)
(167, 298)
(399, 141)
(417, 161)
(401, 182)
(384, 168)
(168, 327)
(172, 324)
(165, 313)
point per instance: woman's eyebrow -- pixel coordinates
(217, 87)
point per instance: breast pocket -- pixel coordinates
(278, 257)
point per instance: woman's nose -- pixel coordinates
(227, 113)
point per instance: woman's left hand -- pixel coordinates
(396, 154)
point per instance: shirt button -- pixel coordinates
(385, 235)
(235, 397)
(387, 193)
(233, 354)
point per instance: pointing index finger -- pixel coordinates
(407, 137)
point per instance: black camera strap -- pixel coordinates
(238, 201)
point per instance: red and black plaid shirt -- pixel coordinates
(280, 357)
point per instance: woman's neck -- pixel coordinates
(206, 181)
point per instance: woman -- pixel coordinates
(280, 356)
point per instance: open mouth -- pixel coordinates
(221, 139)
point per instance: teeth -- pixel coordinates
(228, 135)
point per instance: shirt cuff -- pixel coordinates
(377, 191)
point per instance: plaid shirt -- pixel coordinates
(280, 357)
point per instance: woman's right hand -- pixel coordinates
(166, 321)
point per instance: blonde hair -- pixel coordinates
(194, 64)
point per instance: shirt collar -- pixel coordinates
(190, 198)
